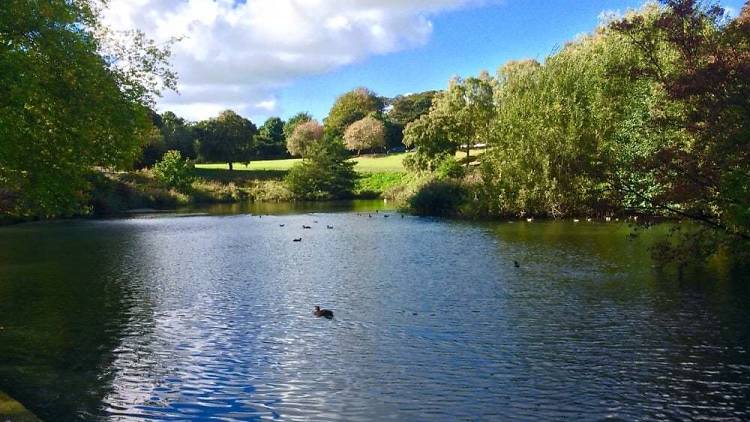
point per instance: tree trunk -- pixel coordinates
(231, 167)
(468, 154)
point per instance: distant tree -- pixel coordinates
(270, 141)
(325, 173)
(227, 138)
(459, 118)
(469, 108)
(368, 133)
(404, 110)
(178, 135)
(305, 135)
(351, 107)
(153, 143)
(408, 108)
(295, 121)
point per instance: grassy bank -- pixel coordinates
(214, 183)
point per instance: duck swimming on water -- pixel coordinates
(325, 313)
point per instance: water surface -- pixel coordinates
(173, 318)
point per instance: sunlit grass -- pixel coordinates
(391, 163)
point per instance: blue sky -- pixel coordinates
(266, 58)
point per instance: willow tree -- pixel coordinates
(70, 100)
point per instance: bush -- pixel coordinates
(325, 173)
(174, 171)
(439, 198)
(448, 167)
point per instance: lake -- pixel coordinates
(210, 316)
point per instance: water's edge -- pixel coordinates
(13, 411)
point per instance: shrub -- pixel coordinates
(324, 174)
(448, 167)
(174, 171)
(439, 198)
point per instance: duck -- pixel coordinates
(575, 220)
(306, 227)
(329, 227)
(299, 239)
(325, 313)
(282, 225)
(530, 220)
(386, 215)
(516, 264)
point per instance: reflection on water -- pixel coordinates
(174, 318)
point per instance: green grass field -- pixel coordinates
(392, 163)
(272, 169)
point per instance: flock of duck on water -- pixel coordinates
(318, 312)
(328, 314)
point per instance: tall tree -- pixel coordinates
(70, 99)
(350, 107)
(227, 138)
(270, 141)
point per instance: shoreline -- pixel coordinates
(11, 410)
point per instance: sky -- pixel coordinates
(266, 58)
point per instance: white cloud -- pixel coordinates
(238, 54)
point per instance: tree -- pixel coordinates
(227, 138)
(70, 99)
(325, 173)
(295, 121)
(153, 145)
(703, 68)
(468, 108)
(408, 108)
(368, 133)
(460, 117)
(178, 135)
(404, 110)
(174, 171)
(305, 135)
(350, 107)
(270, 141)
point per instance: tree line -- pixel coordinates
(362, 120)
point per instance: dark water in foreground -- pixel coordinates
(210, 317)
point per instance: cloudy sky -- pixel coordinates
(278, 57)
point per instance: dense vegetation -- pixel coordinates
(649, 114)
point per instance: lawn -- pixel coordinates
(391, 163)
